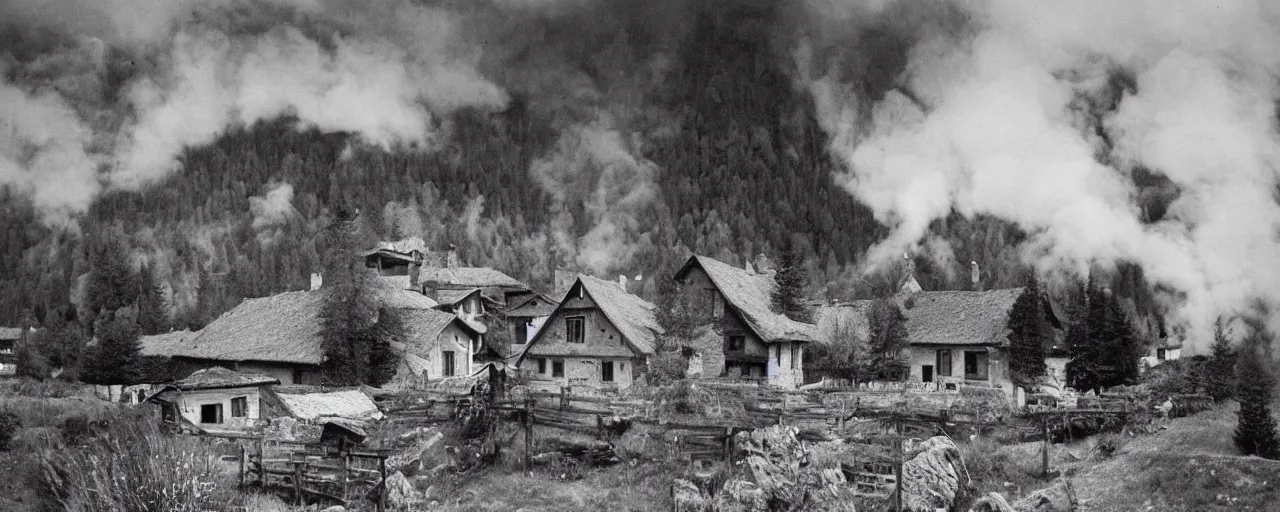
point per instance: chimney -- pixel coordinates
(452, 260)
(316, 281)
(976, 274)
(622, 282)
(415, 270)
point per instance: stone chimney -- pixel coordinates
(451, 261)
(622, 282)
(317, 281)
(415, 270)
(976, 276)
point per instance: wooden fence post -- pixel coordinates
(262, 466)
(897, 471)
(528, 436)
(599, 427)
(297, 479)
(346, 468)
(564, 397)
(382, 468)
(728, 447)
(244, 463)
(1044, 451)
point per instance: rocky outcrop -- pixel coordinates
(1059, 497)
(930, 475)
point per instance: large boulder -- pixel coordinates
(741, 496)
(991, 502)
(1059, 497)
(401, 495)
(930, 478)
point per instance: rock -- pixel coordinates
(400, 493)
(1059, 497)
(335, 508)
(991, 502)
(930, 479)
(686, 497)
(741, 496)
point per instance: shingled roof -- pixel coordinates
(472, 277)
(219, 378)
(533, 305)
(281, 328)
(453, 297)
(394, 292)
(426, 325)
(165, 345)
(937, 318)
(749, 294)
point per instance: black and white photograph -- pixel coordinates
(639, 255)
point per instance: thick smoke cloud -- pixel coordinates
(169, 75)
(1041, 113)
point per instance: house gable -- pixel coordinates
(601, 337)
(747, 295)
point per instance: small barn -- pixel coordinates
(213, 399)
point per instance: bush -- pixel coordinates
(1256, 432)
(9, 425)
(131, 466)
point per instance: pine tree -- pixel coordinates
(111, 283)
(1083, 372)
(787, 297)
(886, 340)
(30, 360)
(1121, 348)
(348, 310)
(115, 358)
(1219, 380)
(1256, 432)
(1026, 338)
(382, 358)
(153, 314)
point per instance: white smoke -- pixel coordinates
(272, 210)
(994, 124)
(385, 71)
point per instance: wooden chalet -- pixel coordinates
(599, 336)
(214, 399)
(756, 343)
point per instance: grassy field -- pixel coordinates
(622, 488)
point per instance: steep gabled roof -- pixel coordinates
(631, 315)
(471, 277)
(749, 294)
(533, 304)
(427, 324)
(453, 297)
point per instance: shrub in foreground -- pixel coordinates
(9, 425)
(132, 467)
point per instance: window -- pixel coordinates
(519, 336)
(239, 407)
(737, 342)
(795, 355)
(211, 413)
(1160, 354)
(557, 368)
(575, 329)
(777, 354)
(944, 363)
(297, 376)
(542, 365)
(926, 373)
(606, 371)
(448, 363)
(975, 365)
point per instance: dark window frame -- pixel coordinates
(448, 363)
(741, 342)
(240, 407)
(217, 414)
(569, 330)
(942, 361)
(606, 371)
(557, 368)
(971, 368)
(542, 365)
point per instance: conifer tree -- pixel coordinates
(1219, 380)
(787, 297)
(115, 357)
(1083, 372)
(1256, 432)
(348, 310)
(111, 283)
(153, 315)
(1026, 338)
(887, 338)
(382, 358)
(29, 359)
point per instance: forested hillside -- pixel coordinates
(726, 158)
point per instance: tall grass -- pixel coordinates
(133, 467)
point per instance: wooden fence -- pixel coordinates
(311, 470)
